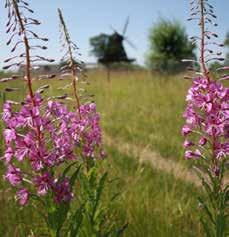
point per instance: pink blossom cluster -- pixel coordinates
(44, 136)
(207, 120)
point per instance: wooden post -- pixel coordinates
(108, 73)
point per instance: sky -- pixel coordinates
(87, 18)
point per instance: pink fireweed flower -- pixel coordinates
(202, 141)
(9, 135)
(188, 143)
(13, 175)
(186, 130)
(207, 114)
(43, 183)
(22, 196)
(9, 152)
(7, 111)
(192, 154)
(62, 191)
(226, 130)
(46, 136)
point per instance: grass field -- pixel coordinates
(146, 111)
(143, 109)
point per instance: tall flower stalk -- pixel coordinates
(207, 121)
(74, 68)
(44, 134)
(72, 65)
(26, 130)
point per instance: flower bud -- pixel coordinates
(202, 141)
(186, 130)
(187, 144)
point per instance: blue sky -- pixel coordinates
(87, 18)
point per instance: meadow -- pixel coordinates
(144, 110)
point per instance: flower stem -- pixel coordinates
(71, 60)
(202, 44)
(27, 48)
(28, 62)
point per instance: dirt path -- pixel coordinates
(144, 154)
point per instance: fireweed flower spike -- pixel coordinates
(44, 135)
(87, 115)
(36, 134)
(207, 122)
(17, 25)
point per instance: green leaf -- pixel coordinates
(121, 230)
(206, 228)
(92, 177)
(226, 196)
(208, 212)
(76, 221)
(220, 225)
(209, 191)
(67, 169)
(74, 176)
(115, 196)
(99, 191)
(37, 198)
(57, 216)
(226, 188)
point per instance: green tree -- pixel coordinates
(99, 44)
(227, 40)
(169, 44)
(226, 43)
(217, 64)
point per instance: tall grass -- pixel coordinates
(154, 204)
(144, 109)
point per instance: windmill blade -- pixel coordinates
(131, 44)
(126, 25)
(112, 28)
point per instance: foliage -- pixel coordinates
(89, 216)
(95, 217)
(99, 44)
(169, 44)
(126, 66)
(227, 40)
(227, 45)
(214, 66)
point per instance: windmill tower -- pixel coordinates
(109, 49)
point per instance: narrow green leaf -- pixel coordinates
(99, 191)
(67, 169)
(74, 176)
(206, 228)
(76, 221)
(208, 212)
(121, 230)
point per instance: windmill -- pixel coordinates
(109, 49)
